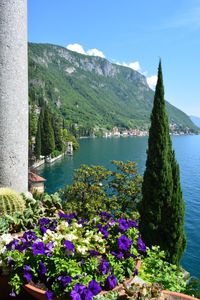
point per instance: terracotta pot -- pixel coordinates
(169, 295)
(39, 294)
(5, 290)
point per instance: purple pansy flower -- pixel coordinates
(29, 236)
(38, 248)
(124, 243)
(80, 292)
(42, 268)
(52, 226)
(78, 287)
(141, 245)
(27, 273)
(12, 245)
(104, 215)
(10, 261)
(12, 294)
(93, 252)
(83, 222)
(132, 223)
(111, 222)
(64, 280)
(135, 272)
(67, 216)
(111, 282)
(104, 267)
(69, 245)
(86, 294)
(94, 287)
(27, 276)
(75, 295)
(43, 221)
(48, 248)
(127, 255)
(77, 291)
(46, 223)
(23, 244)
(20, 245)
(49, 295)
(104, 231)
(123, 224)
(117, 254)
(43, 229)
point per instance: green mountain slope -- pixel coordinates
(90, 92)
(195, 120)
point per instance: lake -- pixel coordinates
(100, 151)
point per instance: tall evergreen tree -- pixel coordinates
(48, 141)
(178, 239)
(38, 146)
(58, 135)
(162, 206)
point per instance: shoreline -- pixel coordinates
(129, 135)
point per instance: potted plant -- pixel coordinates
(71, 257)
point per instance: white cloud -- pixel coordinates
(95, 52)
(79, 48)
(135, 65)
(152, 80)
(76, 48)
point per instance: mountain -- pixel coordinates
(195, 120)
(91, 93)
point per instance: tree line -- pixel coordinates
(51, 135)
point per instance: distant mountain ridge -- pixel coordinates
(195, 120)
(92, 93)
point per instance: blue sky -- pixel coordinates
(130, 31)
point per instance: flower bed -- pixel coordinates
(73, 257)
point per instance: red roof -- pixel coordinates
(35, 178)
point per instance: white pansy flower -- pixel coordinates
(63, 226)
(70, 237)
(51, 236)
(76, 225)
(98, 238)
(86, 241)
(6, 238)
(82, 249)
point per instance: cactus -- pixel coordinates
(11, 202)
(4, 225)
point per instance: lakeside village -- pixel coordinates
(116, 132)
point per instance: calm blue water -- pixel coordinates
(101, 151)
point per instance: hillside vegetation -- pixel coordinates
(91, 94)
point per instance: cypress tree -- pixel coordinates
(48, 141)
(58, 135)
(178, 239)
(162, 206)
(38, 148)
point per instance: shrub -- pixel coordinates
(96, 188)
(155, 268)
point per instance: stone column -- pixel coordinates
(13, 95)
